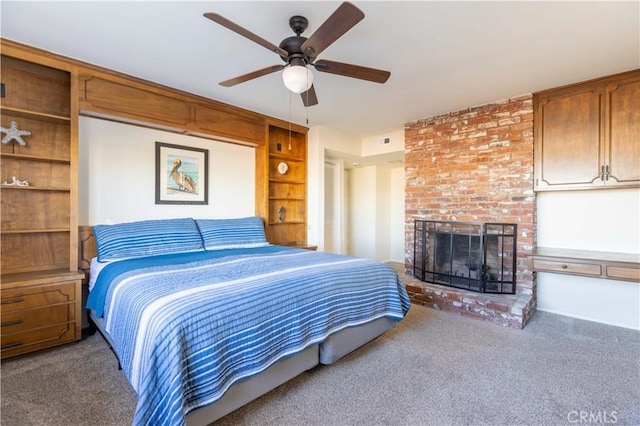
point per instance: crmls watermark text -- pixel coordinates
(591, 417)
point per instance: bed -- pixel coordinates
(204, 315)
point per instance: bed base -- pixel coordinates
(241, 393)
(245, 391)
(345, 341)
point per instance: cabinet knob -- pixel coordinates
(564, 266)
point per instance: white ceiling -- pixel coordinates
(443, 56)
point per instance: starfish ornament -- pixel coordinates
(14, 134)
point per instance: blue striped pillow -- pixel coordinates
(245, 232)
(146, 238)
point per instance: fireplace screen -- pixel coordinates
(472, 256)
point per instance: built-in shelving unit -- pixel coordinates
(283, 158)
(40, 283)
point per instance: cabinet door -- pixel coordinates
(623, 132)
(568, 139)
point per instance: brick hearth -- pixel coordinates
(506, 310)
(474, 165)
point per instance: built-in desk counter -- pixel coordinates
(596, 264)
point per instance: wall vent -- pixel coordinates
(384, 141)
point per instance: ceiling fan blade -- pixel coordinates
(354, 71)
(309, 97)
(251, 75)
(341, 21)
(219, 19)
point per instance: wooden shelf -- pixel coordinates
(35, 158)
(285, 157)
(293, 182)
(595, 264)
(286, 198)
(35, 114)
(34, 231)
(34, 188)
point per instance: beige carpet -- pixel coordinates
(434, 368)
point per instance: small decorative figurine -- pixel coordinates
(14, 134)
(281, 214)
(15, 182)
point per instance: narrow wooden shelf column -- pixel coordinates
(595, 264)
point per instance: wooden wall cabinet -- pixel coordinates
(587, 135)
(281, 188)
(40, 284)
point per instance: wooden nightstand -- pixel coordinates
(40, 310)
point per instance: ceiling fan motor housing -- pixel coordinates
(292, 44)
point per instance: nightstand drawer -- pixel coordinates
(32, 297)
(23, 320)
(567, 267)
(17, 343)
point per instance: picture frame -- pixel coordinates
(182, 174)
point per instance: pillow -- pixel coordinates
(146, 238)
(245, 232)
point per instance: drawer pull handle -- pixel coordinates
(8, 302)
(11, 345)
(564, 266)
(9, 323)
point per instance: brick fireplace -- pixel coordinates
(474, 165)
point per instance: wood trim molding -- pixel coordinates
(111, 95)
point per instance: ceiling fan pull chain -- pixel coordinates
(307, 95)
(289, 120)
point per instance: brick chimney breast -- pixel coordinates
(475, 165)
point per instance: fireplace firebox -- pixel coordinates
(473, 256)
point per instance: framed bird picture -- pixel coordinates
(182, 174)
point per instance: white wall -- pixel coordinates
(117, 175)
(382, 211)
(362, 212)
(396, 219)
(315, 189)
(598, 220)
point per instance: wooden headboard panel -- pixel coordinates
(87, 249)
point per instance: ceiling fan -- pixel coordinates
(299, 52)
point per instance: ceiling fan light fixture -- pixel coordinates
(297, 78)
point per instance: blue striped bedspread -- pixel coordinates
(187, 326)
